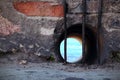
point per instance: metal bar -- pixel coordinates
(65, 27)
(99, 29)
(83, 26)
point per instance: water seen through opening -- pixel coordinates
(74, 50)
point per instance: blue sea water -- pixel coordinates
(74, 50)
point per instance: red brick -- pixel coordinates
(39, 9)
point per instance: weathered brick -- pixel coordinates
(39, 9)
(7, 28)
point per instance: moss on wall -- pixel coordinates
(115, 56)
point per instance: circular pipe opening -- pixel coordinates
(75, 32)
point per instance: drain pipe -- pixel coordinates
(83, 28)
(99, 29)
(65, 28)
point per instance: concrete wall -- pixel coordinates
(30, 24)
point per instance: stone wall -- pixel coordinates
(30, 24)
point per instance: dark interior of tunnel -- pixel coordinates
(75, 31)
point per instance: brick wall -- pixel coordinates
(37, 20)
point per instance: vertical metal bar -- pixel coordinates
(65, 27)
(99, 29)
(83, 27)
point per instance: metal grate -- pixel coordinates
(99, 29)
(84, 4)
(65, 26)
(83, 26)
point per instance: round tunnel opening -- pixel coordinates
(75, 32)
(74, 49)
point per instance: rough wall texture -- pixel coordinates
(32, 23)
(7, 28)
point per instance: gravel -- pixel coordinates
(58, 71)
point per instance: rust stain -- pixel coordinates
(76, 36)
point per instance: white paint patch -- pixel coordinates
(47, 18)
(45, 31)
(111, 29)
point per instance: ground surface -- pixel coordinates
(58, 71)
